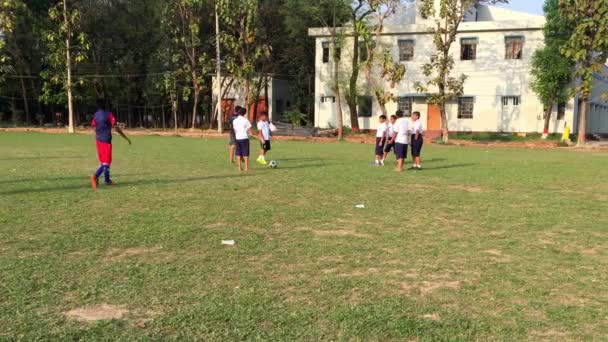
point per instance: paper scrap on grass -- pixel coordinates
(360, 206)
(228, 242)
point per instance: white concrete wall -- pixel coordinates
(490, 76)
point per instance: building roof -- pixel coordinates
(481, 18)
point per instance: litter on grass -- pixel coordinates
(228, 242)
(360, 206)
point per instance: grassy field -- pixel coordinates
(498, 244)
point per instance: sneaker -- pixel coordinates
(111, 183)
(94, 182)
(382, 163)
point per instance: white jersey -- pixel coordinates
(264, 127)
(391, 130)
(241, 126)
(402, 129)
(417, 127)
(381, 131)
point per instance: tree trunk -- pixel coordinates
(218, 56)
(352, 88)
(162, 113)
(68, 65)
(582, 122)
(246, 94)
(444, 124)
(26, 106)
(548, 112)
(196, 91)
(174, 110)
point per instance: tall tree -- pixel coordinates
(587, 46)
(360, 11)
(380, 67)
(63, 52)
(447, 16)
(551, 71)
(184, 18)
(240, 38)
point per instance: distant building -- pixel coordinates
(274, 96)
(494, 48)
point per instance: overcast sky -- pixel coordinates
(530, 6)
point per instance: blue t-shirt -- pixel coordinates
(230, 121)
(103, 122)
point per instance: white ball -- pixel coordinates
(273, 164)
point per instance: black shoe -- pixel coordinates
(412, 168)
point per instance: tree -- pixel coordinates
(184, 18)
(551, 71)
(360, 11)
(244, 51)
(380, 61)
(59, 39)
(447, 17)
(587, 46)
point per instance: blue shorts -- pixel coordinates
(417, 145)
(401, 151)
(379, 146)
(242, 148)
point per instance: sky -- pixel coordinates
(529, 6)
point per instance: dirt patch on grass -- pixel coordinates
(468, 188)
(428, 287)
(432, 317)
(103, 312)
(342, 233)
(548, 335)
(118, 253)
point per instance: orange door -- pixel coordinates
(434, 118)
(227, 108)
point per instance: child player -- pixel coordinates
(232, 141)
(400, 137)
(380, 141)
(242, 131)
(264, 135)
(417, 140)
(390, 144)
(104, 121)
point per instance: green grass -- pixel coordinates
(504, 137)
(485, 244)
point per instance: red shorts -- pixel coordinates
(104, 152)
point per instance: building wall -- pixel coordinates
(597, 118)
(490, 77)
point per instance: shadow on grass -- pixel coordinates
(141, 182)
(445, 167)
(54, 179)
(41, 158)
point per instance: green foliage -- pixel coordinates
(64, 26)
(295, 118)
(551, 71)
(588, 43)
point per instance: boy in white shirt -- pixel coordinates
(400, 137)
(242, 130)
(390, 144)
(380, 141)
(264, 135)
(417, 140)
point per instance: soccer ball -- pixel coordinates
(273, 164)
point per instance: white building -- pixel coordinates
(274, 96)
(494, 48)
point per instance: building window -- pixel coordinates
(465, 107)
(365, 106)
(325, 99)
(510, 101)
(561, 111)
(337, 52)
(325, 52)
(406, 50)
(468, 49)
(405, 104)
(363, 52)
(514, 47)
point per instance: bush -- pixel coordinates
(295, 118)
